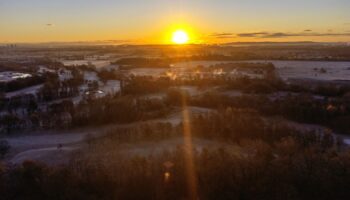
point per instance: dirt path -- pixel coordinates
(51, 155)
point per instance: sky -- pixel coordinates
(152, 21)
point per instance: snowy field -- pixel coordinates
(111, 87)
(148, 71)
(11, 76)
(317, 70)
(97, 63)
(191, 64)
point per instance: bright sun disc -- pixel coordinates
(180, 37)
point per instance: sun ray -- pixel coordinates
(188, 151)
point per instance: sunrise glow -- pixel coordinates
(180, 37)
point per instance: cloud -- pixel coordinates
(222, 35)
(256, 34)
(266, 34)
(116, 41)
(285, 34)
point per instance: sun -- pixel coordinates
(180, 37)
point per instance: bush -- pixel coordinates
(4, 148)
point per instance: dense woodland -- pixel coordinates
(266, 163)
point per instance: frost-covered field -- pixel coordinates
(10, 76)
(317, 70)
(97, 63)
(196, 63)
(148, 71)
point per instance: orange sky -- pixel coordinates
(153, 21)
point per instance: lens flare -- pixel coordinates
(188, 151)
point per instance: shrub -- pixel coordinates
(4, 148)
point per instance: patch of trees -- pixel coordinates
(242, 55)
(54, 88)
(70, 87)
(140, 85)
(331, 90)
(142, 132)
(50, 89)
(4, 148)
(21, 83)
(139, 62)
(118, 109)
(230, 125)
(257, 86)
(331, 113)
(89, 67)
(255, 67)
(125, 109)
(27, 102)
(237, 125)
(10, 123)
(106, 75)
(272, 84)
(301, 108)
(2, 100)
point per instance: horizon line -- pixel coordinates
(121, 43)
